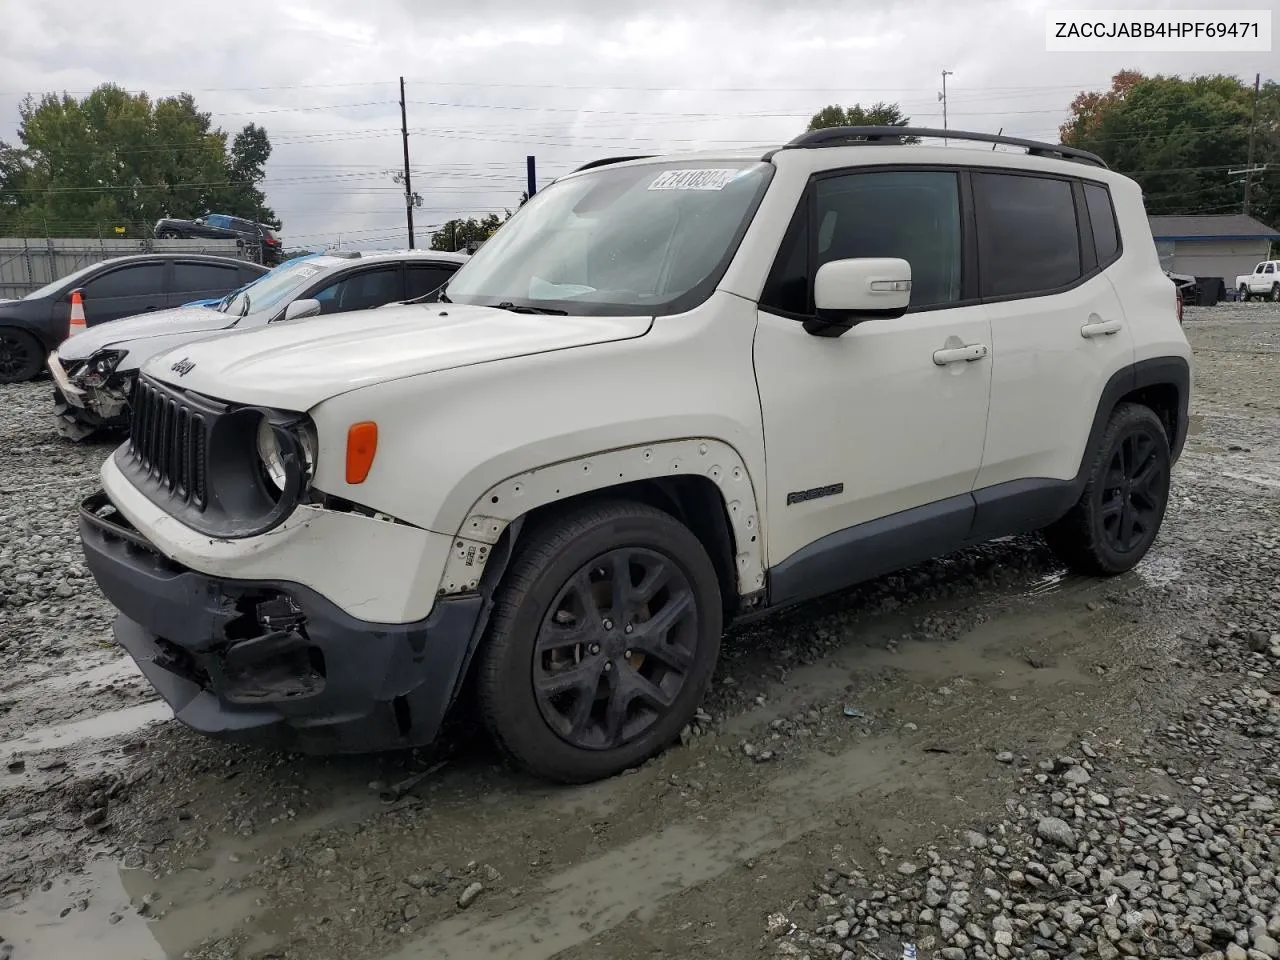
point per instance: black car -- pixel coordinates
(120, 287)
(220, 226)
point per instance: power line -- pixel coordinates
(842, 89)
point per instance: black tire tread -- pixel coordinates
(541, 545)
(1073, 537)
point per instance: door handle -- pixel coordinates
(1097, 327)
(968, 353)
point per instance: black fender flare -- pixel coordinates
(1154, 372)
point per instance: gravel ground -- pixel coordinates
(981, 757)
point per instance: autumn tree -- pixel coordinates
(877, 115)
(1179, 138)
(112, 158)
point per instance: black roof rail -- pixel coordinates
(891, 135)
(604, 161)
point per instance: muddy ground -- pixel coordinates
(894, 765)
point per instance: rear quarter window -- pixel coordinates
(1102, 220)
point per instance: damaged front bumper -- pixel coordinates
(83, 405)
(274, 662)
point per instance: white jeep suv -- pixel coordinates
(671, 392)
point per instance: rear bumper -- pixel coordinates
(297, 673)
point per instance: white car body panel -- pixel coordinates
(466, 398)
(300, 550)
(296, 366)
(144, 335)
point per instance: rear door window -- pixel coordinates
(1028, 238)
(204, 278)
(421, 280)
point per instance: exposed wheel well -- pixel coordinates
(693, 500)
(1164, 401)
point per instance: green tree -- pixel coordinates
(879, 114)
(456, 234)
(1180, 137)
(114, 158)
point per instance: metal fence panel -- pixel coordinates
(26, 264)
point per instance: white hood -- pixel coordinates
(294, 366)
(124, 333)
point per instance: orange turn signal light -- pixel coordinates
(362, 444)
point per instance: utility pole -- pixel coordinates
(1253, 130)
(408, 186)
(943, 97)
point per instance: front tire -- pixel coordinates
(1115, 521)
(20, 357)
(1244, 292)
(602, 642)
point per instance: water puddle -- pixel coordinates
(87, 915)
(111, 913)
(100, 726)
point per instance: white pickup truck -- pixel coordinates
(1263, 282)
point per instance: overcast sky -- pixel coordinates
(490, 81)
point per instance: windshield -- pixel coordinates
(271, 290)
(653, 238)
(49, 288)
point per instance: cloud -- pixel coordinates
(490, 81)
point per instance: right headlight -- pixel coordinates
(273, 440)
(270, 455)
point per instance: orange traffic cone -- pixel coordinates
(77, 313)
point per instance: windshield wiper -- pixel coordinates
(244, 311)
(524, 308)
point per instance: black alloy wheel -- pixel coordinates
(615, 648)
(1133, 491)
(19, 356)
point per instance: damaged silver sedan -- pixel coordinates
(95, 370)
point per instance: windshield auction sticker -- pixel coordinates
(702, 179)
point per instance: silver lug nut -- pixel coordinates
(627, 654)
(629, 627)
(594, 648)
(608, 665)
(608, 624)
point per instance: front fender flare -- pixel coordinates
(505, 502)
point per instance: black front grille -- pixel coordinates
(168, 441)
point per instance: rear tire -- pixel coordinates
(1275, 292)
(571, 684)
(20, 356)
(1117, 518)
(168, 235)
